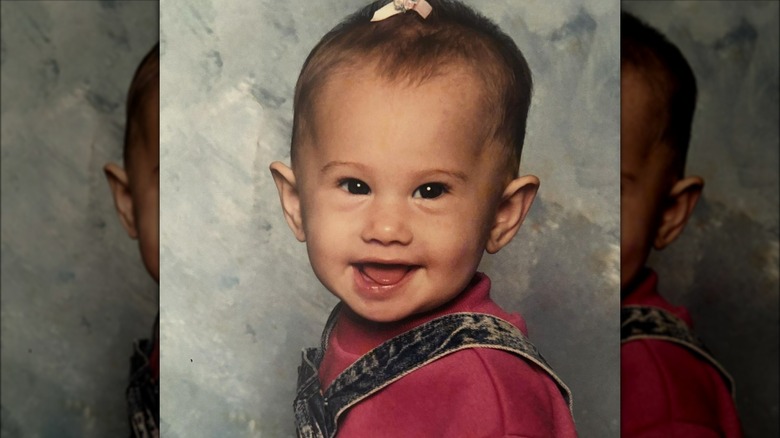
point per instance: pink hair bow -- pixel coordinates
(422, 7)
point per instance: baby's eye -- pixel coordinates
(430, 190)
(355, 186)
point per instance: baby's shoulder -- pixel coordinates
(488, 377)
(665, 386)
(668, 365)
(505, 374)
(496, 384)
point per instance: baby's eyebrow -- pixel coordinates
(451, 173)
(332, 164)
(421, 174)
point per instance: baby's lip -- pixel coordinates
(385, 273)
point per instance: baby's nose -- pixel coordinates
(387, 223)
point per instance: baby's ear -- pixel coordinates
(119, 184)
(512, 208)
(679, 206)
(288, 194)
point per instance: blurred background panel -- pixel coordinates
(724, 267)
(239, 299)
(74, 292)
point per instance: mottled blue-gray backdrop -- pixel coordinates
(74, 291)
(238, 297)
(724, 267)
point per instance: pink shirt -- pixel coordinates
(476, 392)
(666, 390)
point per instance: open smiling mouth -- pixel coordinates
(382, 275)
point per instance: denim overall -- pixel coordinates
(647, 322)
(143, 394)
(317, 413)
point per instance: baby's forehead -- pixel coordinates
(459, 84)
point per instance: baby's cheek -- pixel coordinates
(325, 239)
(458, 250)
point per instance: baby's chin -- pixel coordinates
(384, 314)
(377, 315)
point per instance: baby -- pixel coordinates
(670, 384)
(409, 121)
(135, 189)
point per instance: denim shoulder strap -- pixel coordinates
(648, 322)
(317, 413)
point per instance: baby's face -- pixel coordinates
(398, 187)
(644, 172)
(144, 181)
